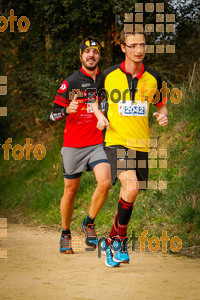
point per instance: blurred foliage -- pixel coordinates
(38, 60)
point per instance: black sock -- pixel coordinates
(89, 220)
(124, 214)
(66, 231)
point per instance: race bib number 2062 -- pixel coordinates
(129, 109)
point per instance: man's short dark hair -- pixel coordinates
(123, 35)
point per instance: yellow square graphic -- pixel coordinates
(160, 7)
(77, 244)
(159, 48)
(149, 7)
(160, 28)
(162, 185)
(128, 27)
(120, 171)
(152, 143)
(131, 164)
(3, 232)
(139, 17)
(153, 153)
(131, 185)
(170, 27)
(3, 79)
(130, 175)
(170, 48)
(138, 7)
(160, 18)
(3, 222)
(163, 164)
(121, 153)
(131, 153)
(152, 164)
(128, 17)
(142, 184)
(3, 90)
(121, 164)
(131, 143)
(152, 185)
(142, 164)
(170, 18)
(141, 143)
(139, 27)
(149, 49)
(162, 153)
(3, 112)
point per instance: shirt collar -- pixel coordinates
(122, 66)
(84, 72)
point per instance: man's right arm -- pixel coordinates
(58, 112)
(101, 95)
(102, 120)
(61, 102)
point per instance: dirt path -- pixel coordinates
(34, 269)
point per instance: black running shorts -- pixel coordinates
(123, 159)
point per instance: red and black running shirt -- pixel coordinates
(80, 129)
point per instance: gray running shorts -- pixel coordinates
(77, 160)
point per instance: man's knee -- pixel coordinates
(132, 188)
(69, 193)
(133, 192)
(105, 183)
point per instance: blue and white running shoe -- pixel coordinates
(109, 262)
(120, 251)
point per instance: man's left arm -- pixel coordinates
(161, 115)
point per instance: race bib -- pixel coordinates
(90, 110)
(129, 109)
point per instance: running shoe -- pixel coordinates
(120, 250)
(65, 244)
(88, 231)
(109, 262)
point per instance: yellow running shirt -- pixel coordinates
(127, 105)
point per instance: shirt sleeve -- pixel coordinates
(61, 102)
(58, 112)
(62, 96)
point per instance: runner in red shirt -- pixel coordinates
(82, 149)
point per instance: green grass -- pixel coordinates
(32, 189)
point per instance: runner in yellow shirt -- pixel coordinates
(128, 90)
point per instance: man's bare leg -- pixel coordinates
(103, 177)
(67, 201)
